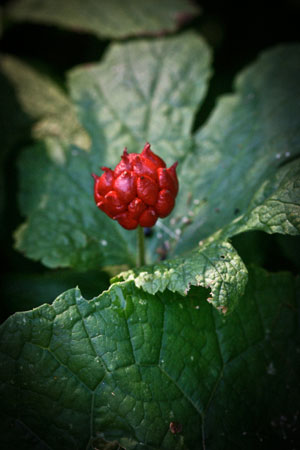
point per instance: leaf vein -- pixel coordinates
(198, 410)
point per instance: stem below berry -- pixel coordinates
(141, 247)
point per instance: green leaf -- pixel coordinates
(44, 102)
(124, 100)
(143, 91)
(125, 365)
(275, 207)
(113, 19)
(249, 135)
(215, 266)
(65, 228)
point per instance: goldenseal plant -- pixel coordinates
(184, 352)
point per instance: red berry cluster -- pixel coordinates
(138, 191)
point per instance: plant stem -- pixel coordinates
(141, 247)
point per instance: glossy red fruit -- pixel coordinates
(139, 191)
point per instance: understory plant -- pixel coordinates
(197, 346)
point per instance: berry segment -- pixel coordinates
(138, 191)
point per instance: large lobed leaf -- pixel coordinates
(128, 98)
(109, 19)
(249, 136)
(127, 364)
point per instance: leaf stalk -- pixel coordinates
(141, 247)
